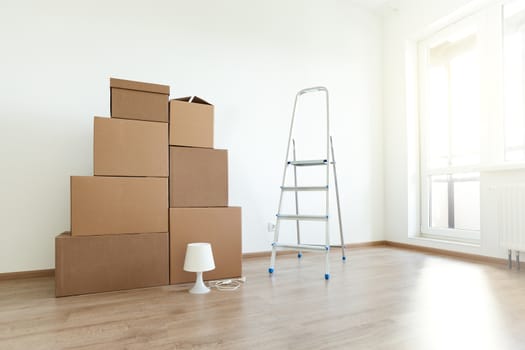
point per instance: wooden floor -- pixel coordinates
(382, 298)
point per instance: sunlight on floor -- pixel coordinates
(457, 308)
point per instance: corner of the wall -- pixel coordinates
(412, 132)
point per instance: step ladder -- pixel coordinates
(326, 162)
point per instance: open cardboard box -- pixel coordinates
(191, 122)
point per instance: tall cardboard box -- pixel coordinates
(191, 122)
(198, 177)
(92, 264)
(118, 205)
(130, 148)
(219, 226)
(138, 100)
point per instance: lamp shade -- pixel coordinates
(199, 257)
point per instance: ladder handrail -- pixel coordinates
(302, 92)
(312, 89)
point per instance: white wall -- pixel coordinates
(412, 18)
(248, 57)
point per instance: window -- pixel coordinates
(450, 105)
(514, 80)
(471, 103)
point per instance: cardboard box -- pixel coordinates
(93, 264)
(191, 122)
(116, 205)
(137, 100)
(198, 177)
(130, 148)
(219, 226)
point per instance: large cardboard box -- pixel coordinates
(130, 148)
(137, 100)
(198, 177)
(92, 264)
(219, 226)
(116, 205)
(191, 122)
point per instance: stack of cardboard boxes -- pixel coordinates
(199, 209)
(119, 218)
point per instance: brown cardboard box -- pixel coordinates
(111, 205)
(198, 177)
(130, 148)
(219, 226)
(137, 100)
(93, 264)
(191, 122)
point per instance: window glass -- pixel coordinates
(453, 100)
(439, 202)
(514, 80)
(466, 202)
(454, 201)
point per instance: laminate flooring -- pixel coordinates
(381, 298)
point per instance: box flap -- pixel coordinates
(65, 234)
(192, 99)
(139, 86)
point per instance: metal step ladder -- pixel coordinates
(326, 162)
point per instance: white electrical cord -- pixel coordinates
(227, 284)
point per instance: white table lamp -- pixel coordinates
(199, 258)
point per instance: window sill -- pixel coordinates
(503, 167)
(444, 240)
(481, 168)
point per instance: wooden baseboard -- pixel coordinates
(26, 274)
(436, 251)
(266, 254)
(423, 249)
(365, 244)
(444, 252)
(281, 252)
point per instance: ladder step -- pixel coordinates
(303, 217)
(301, 247)
(305, 188)
(308, 162)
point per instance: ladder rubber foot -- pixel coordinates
(299, 255)
(344, 258)
(327, 276)
(270, 270)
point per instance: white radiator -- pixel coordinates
(510, 200)
(511, 216)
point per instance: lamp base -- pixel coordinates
(199, 287)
